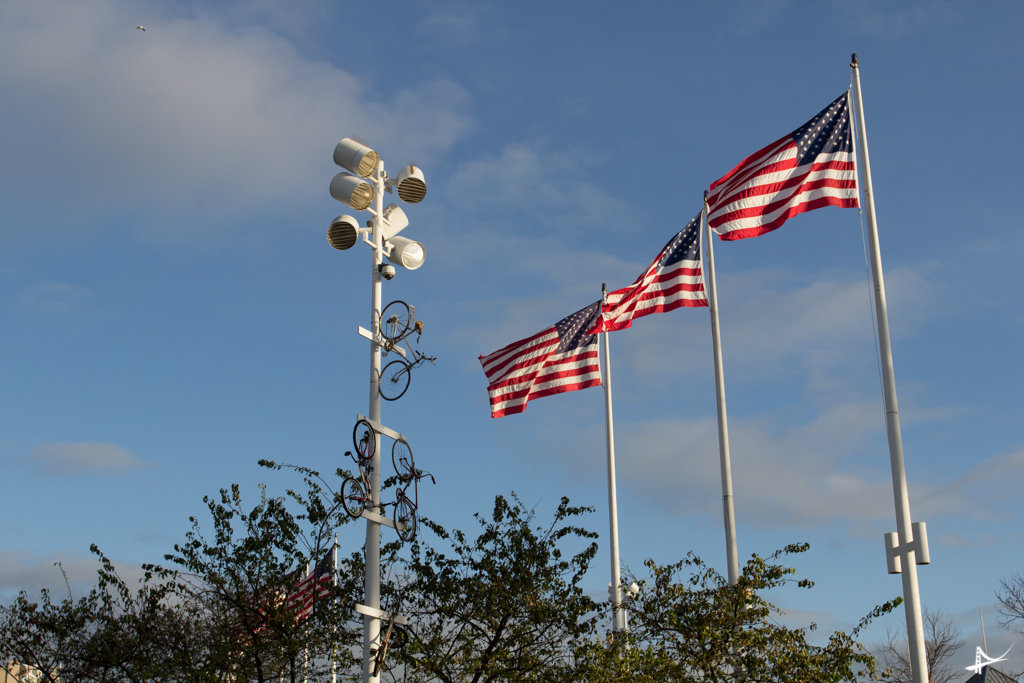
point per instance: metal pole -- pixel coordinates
(618, 614)
(911, 596)
(305, 651)
(731, 553)
(334, 629)
(371, 579)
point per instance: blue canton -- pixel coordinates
(572, 330)
(684, 246)
(826, 133)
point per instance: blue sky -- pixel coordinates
(171, 311)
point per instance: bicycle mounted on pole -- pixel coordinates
(397, 323)
(406, 507)
(355, 490)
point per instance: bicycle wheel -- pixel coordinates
(353, 497)
(401, 458)
(395, 320)
(365, 440)
(399, 638)
(406, 514)
(394, 380)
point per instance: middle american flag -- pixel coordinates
(673, 280)
(560, 358)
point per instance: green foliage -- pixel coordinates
(700, 628)
(221, 614)
(109, 635)
(500, 607)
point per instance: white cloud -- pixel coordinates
(189, 113)
(53, 297)
(25, 570)
(988, 491)
(890, 21)
(71, 459)
(782, 477)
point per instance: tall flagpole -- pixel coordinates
(311, 567)
(618, 614)
(732, 555)
(334, 654)
(904, 528)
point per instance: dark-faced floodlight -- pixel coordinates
(356, 157)
(343, 233)
(395, 221)
(406, 253)
(356, 192)
(412, 188)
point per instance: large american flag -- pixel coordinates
(561, 358)
(310, 589)
(674, 279)
(810, 168)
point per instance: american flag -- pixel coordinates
(561, 358)
(313, 587)
(674, 279)
(810, 168)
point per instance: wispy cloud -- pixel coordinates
(191, 113)
(73, 459)
(26, 570)
(895, 21)
(53, 297)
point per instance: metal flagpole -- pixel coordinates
(731, 552)
(334, 653)
(618, 615)
(906, 549)
(310, 568)
(371, 578)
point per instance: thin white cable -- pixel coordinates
(867, 266)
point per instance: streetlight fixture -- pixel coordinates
(363, 189)
(343, 233)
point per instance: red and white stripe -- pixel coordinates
(530, 368)
(682, 284)
(768, 187)
(309, 590)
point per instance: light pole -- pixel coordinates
(364, 191)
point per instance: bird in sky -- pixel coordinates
(141, 27)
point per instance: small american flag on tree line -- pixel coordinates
(312, 588)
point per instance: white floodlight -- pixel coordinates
(406, 253)
(356, 157)
(634, 588)
(412, 187)
(395, 221)
(343, 233)
(348, 189)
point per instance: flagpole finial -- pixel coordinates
(705, 194)
(853, 60)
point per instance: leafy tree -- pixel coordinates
(241, 581)
(701, 628)
(221, 614)
(112, 634)
(500, 607)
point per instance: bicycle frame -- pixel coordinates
(414, 502)
(365, 469)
